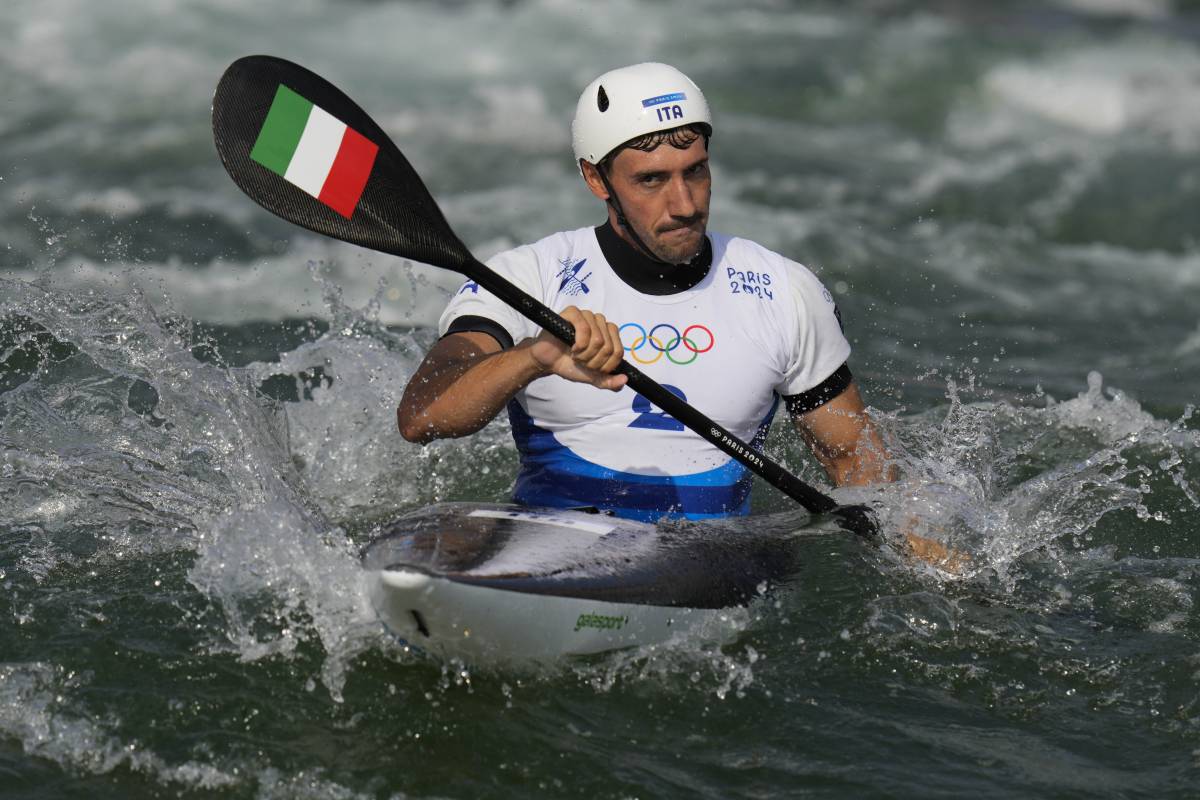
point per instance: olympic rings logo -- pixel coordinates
(665, 339)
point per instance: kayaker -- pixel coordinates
(734, 328)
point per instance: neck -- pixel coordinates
(647, 275)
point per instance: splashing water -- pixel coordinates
(995, 482)
(120, 445)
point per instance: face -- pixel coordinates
(664, 194)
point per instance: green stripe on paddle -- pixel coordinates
(280, 134)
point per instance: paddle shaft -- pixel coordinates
(812, 500)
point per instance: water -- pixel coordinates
(197, 406)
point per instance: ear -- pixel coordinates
(591, 174)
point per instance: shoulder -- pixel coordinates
(748, 262)
(735, 249)
(733, 253)
(548, 249)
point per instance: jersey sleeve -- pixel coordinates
(818, 348)
(520, 267)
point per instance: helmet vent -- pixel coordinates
(602, 99)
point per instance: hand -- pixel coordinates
(936, 554)
(596, 353)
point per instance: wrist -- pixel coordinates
(531, 366)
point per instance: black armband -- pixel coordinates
(820, 394)
(481, 325)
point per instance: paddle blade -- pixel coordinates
(305, 151)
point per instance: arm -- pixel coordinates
(845, 441)
(441, 401)
(466, 378)
(849, 447)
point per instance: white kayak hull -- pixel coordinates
(477, 624)
(494, 583)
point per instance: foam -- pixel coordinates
(34, 712)
(1152, 87)
(515, 116)
(231, 292)
(38, 710)
(1142, 9)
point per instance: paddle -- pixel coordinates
(346, 179)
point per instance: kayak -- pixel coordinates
(498, 583)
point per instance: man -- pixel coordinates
(723, 322)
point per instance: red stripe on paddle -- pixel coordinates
(348, 176)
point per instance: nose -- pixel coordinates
(681, 204)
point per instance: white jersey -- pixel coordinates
(757, 326)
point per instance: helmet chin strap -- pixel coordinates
(623, 221)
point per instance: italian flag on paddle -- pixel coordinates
(315, 151)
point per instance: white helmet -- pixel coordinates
(630, 102)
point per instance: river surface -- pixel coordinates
(197, 405)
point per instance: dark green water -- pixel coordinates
(197, 406)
